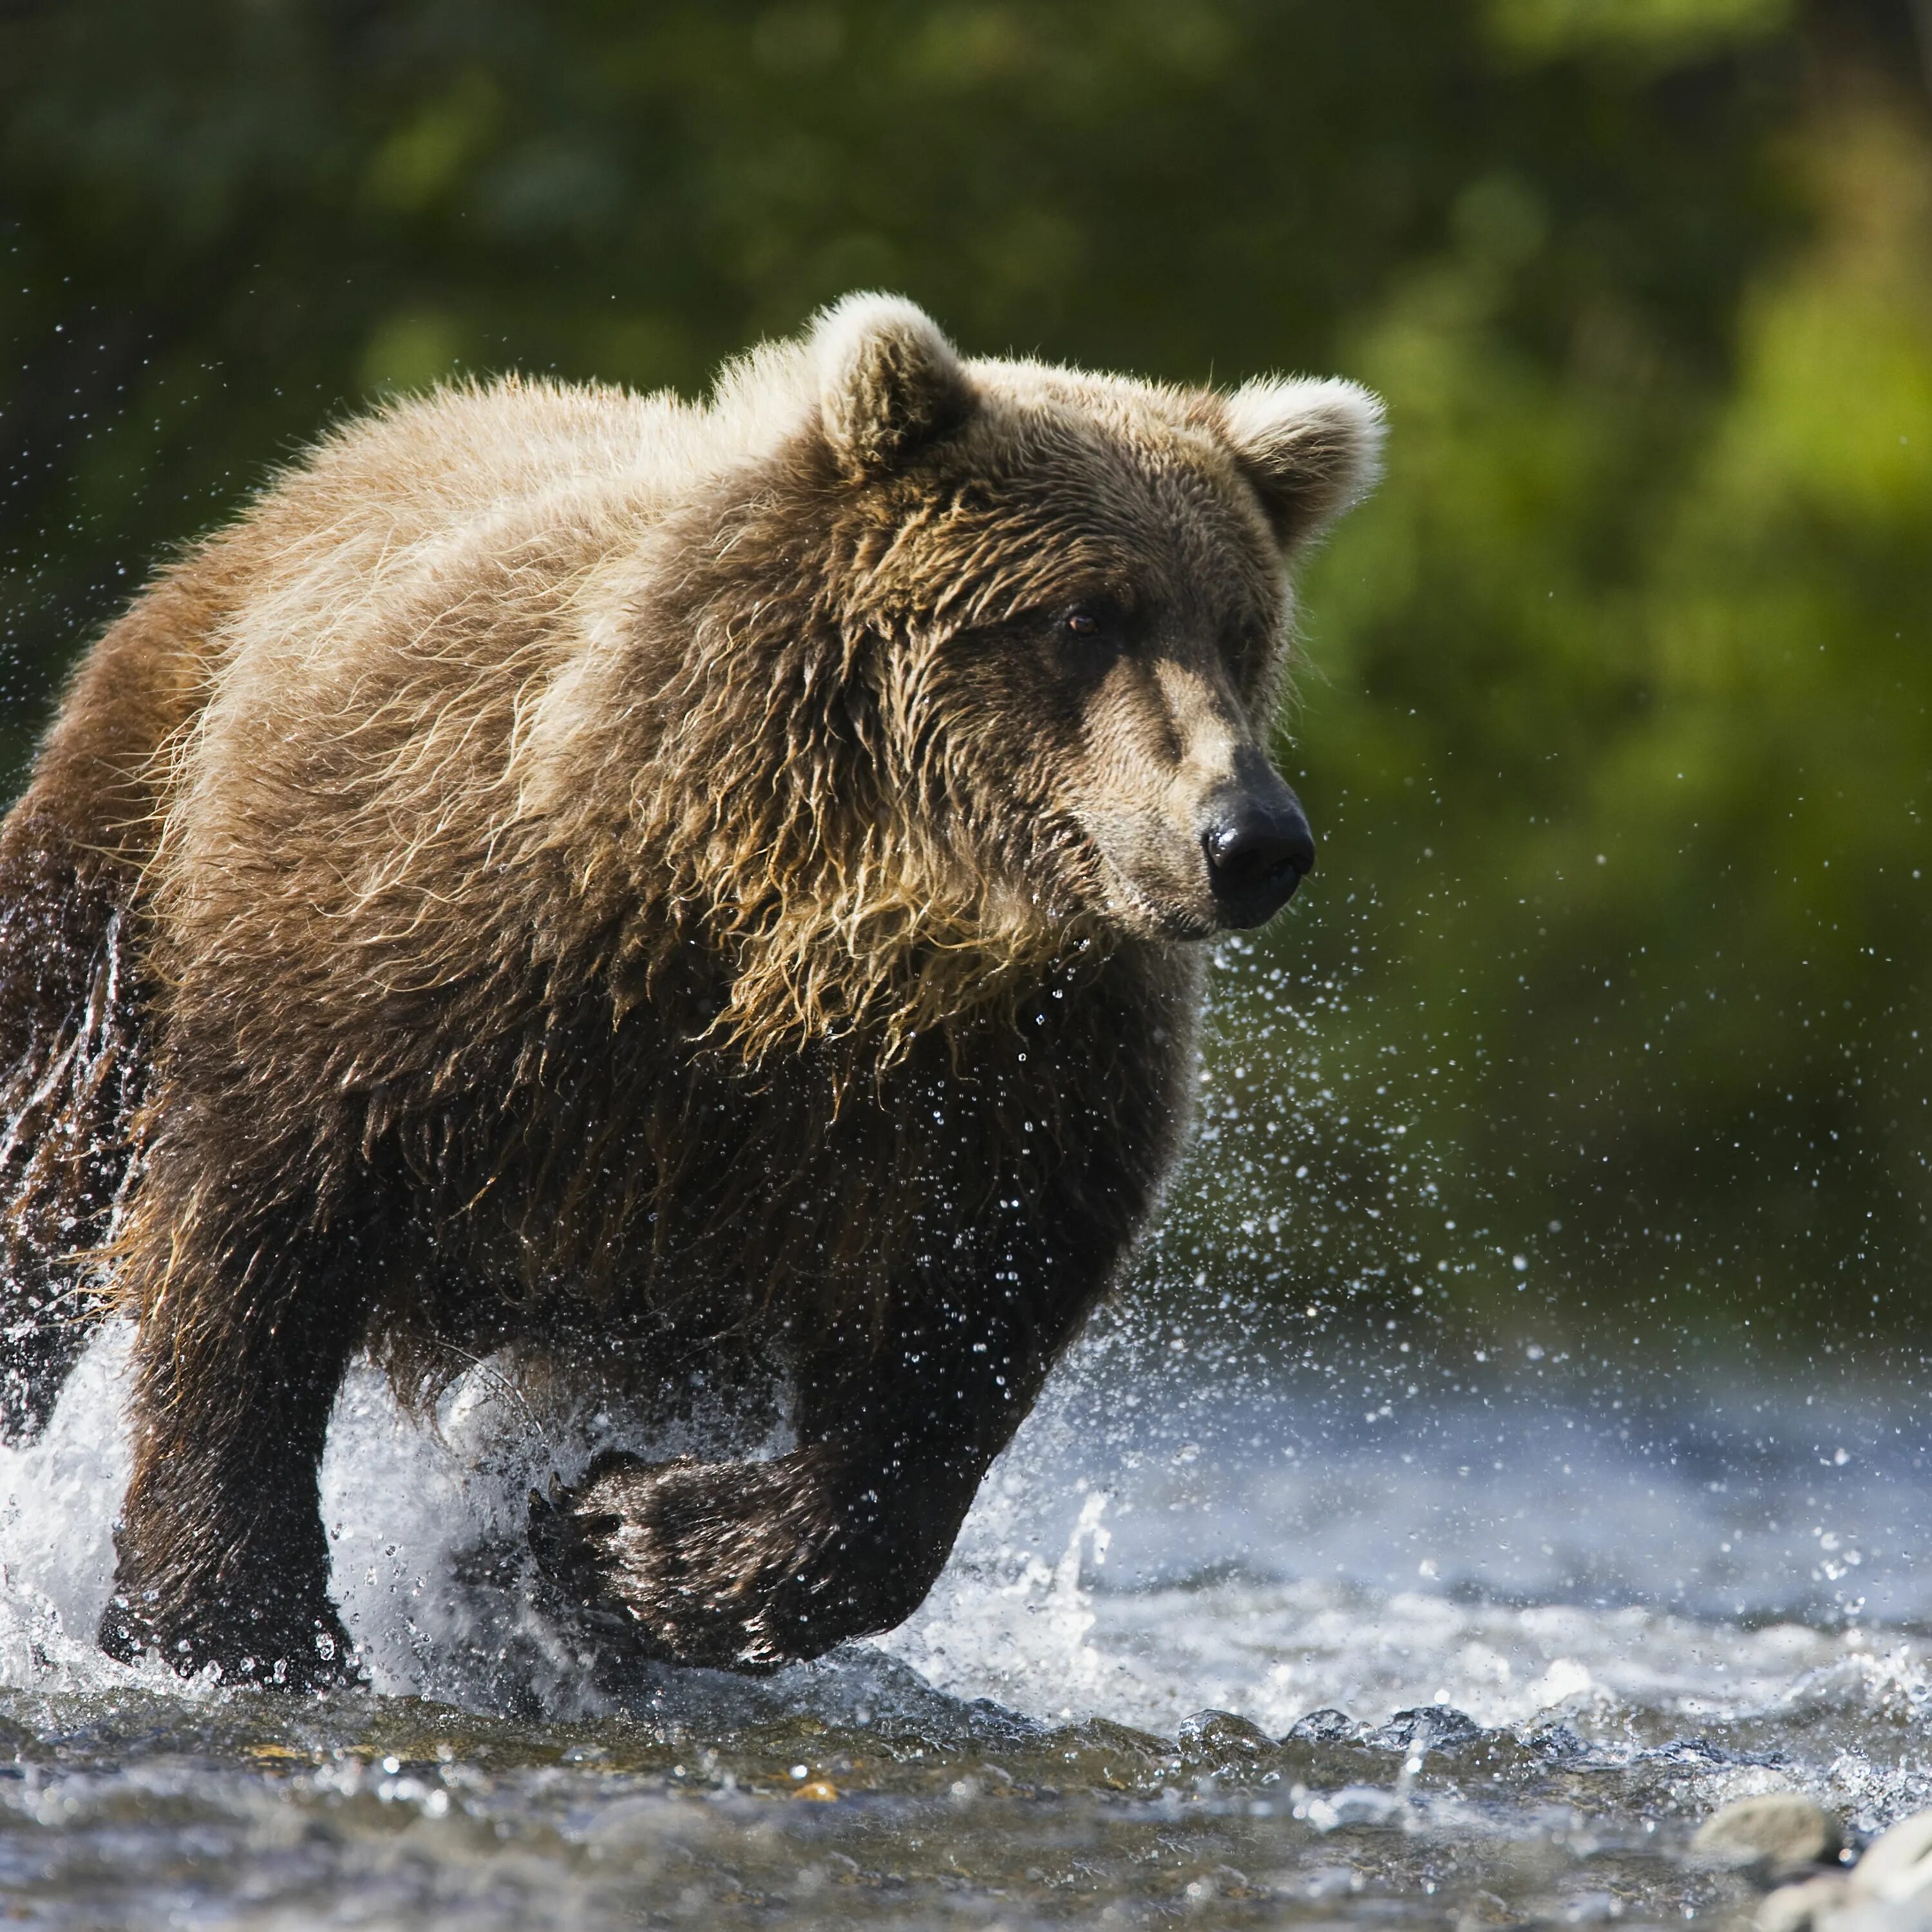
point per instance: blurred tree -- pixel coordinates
(1615, 715)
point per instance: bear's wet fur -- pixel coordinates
(664, 885)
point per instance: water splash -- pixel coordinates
(59, 1498)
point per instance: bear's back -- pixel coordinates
(409, 500)
(391, 609)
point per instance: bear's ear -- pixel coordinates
(889, 382)
(1310, 449)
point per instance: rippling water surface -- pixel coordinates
(1218, 1645)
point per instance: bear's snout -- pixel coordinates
(1258, 846)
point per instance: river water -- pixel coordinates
(1227, 1641)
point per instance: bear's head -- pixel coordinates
(1079, 583)
(984, 655)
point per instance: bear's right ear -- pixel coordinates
(889, 382)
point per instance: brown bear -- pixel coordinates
(658, 888)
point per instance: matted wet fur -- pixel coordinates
(567, 866)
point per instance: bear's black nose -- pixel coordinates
(1258, 848)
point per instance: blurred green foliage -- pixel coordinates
(1614, 718)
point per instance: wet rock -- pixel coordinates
(1558, 1743)
(1897, 1863)
(995, 1725)
(1328, 1726)
(1777, 1832)
(1112, 1755)
(1427, 1727)
(1222, 1734)
(1889, 1889)
(1806, 1907)
(1221, 1744)
(1326, 1748)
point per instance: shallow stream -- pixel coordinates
(1219, 1646)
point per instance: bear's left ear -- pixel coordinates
(889, 382)
(1310, 448)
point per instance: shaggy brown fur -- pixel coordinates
(570, 865)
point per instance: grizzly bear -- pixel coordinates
(664, 889)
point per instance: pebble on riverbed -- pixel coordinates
(1780, 1833)
(1888, 1890)
(1805, 1907)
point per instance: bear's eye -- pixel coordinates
(1095, 618)
(1091, 634)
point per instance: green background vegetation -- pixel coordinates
(1614, 718)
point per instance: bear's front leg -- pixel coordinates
(748, 1566)
(244, 1334)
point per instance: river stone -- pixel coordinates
(1781, 1832)
(1327, 1726)
(1806, 1907)
(1426, 1727)
(1223, 1733)
(1897, 1863)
